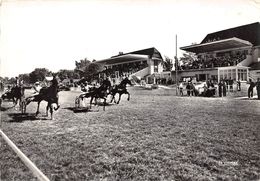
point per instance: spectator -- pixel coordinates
(188, 88)
(181, 88)
(205, 89)
(258, 88)
(192, 90)
(238, 85)
(220, 88)
(251, 88)
(231, 84)
(224, 90)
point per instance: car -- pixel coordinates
(203, 90)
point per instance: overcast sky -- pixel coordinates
(54, 34)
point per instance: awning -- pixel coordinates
(217, 45)
(123, 59)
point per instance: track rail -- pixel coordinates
(36, 172)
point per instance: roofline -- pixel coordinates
(218, 41)
(123, 55)
(232, 28)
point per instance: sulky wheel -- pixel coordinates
(77, 102)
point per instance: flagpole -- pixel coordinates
(176, 66)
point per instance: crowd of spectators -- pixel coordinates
(211, 62)
(126, 69)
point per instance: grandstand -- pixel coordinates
(146, 64)
(230, 54)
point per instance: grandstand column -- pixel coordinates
(218, 75)
(236, 74)
(247, 75)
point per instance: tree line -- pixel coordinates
(84, 69)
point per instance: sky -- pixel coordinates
(53, 34)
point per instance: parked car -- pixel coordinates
(203, 90)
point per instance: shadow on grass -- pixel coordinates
(19, 117)
(247, 99)
(5, 108)
(81, 109)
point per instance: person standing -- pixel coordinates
(188, 88)
(220, 88)
(231, 82)
(54, 89)
(258, 88)
(238, 85)
(181, 88)
(224, 88)
(251, 88)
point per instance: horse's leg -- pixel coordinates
(120, 94)
(38, 107)
(105, 100)
(51, 111)
(113, 98)
(126, 92)
(96, 101)
(20, 104)
(91, 99)
(57, 103)
(14, 102)
(47, 109)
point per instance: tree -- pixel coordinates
(167, 64)
(38, 74)
(25, 78)
(82, 63)
(188, 58)
(93, 69)
(81, 66)
(87, 69)
(67, 74)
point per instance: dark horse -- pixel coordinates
(97, 93)
(120, 89)
(45, 94)
(15, 94)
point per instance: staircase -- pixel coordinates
(246, 62)
(137, 76)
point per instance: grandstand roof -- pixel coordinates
(249, 32)
(217, 45)
(133, 56)
(241, 36)
(151, 52)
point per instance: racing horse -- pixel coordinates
(45, 94)
(15, 94)
(96, 93)
(120, 89)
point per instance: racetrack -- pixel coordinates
(154, 136)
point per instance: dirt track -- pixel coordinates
(154, 136)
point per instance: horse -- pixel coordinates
(98, 93)
(15, 94)
(45, 94)
(120, 89)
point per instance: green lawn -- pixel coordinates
(154, 136)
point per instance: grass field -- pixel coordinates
(154, 136)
